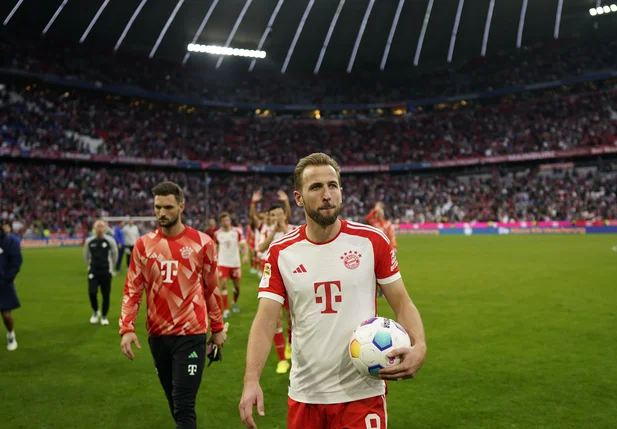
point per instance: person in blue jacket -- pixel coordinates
(10, 264)
(119, 237)
(9, 231)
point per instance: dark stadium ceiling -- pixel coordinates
(76, 15)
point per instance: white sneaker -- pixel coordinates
(104, 321)
(225, 314)
(11, 342)
(95, 318)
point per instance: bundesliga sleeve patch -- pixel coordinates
(265, 278)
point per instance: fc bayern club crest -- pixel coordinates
(351, 259)
(186, 252)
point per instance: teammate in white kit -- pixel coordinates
(230, 241)
(279, 226)
(328, 271)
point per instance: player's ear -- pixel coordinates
(181, 207)
(298, 198)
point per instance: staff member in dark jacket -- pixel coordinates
(10, 263)
(101, 254)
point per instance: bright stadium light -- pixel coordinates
(614, 8)
(222, 50)
(600, 10)
(593, 11)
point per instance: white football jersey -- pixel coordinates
(229, 246)
(264, 231)
(330, 288)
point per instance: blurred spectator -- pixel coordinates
(64, 197)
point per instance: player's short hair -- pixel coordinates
(224, 215)
(168, 188)
(274, 207)
(314, 159)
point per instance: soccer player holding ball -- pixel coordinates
(327, 271)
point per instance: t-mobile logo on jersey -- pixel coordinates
(192, 369)
(330, 294)
(169, 270)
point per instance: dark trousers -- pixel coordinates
(104, 281)
(128, 250)
(119, 261)
(179, 362)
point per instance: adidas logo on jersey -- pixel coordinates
(300, 269)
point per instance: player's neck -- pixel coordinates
(174, 230)
(225, 229)
(320, 234)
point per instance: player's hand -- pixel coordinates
(282, 195)
(125, 344)
(218, 338)
(412, 359)
(251, 395)
(256, 196)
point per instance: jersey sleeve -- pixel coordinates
(211, 287)
(271, 285)
(133, 289)
(241, 237)
(370, 217)
(14, 261)
(386, 264)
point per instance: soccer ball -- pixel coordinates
(372, 341)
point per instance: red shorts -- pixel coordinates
(230, 273)
(369, 413)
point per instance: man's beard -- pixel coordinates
(168, 222)
(322, 219)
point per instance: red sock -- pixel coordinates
(279, 344)
(225, 300)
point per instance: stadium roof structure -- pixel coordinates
(305, 36)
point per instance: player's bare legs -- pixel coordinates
(234, 303)
(7, 318)
(224, 296)
(279, 344)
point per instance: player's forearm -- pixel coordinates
(409, 317)
(129, 311)
(287, 209)
(264, 245)
(259, 345)
(253, 213)
(215, 313)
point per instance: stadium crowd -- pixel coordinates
(62, 198)
(57, 121)
(550, 61)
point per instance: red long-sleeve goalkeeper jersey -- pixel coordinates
(179, 276)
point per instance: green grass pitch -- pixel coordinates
(521, 334)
